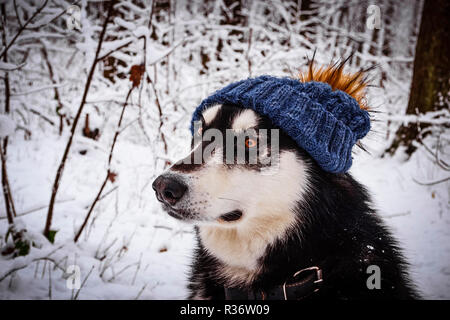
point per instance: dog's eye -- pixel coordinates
(250, 143)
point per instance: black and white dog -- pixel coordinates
(289, 233)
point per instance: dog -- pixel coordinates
(283, 229)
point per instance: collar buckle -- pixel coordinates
(318, 274)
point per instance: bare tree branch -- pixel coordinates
(42, 116)
(17, 14)
(118, 49)
(4, 52)
(158, 105)
(60, 170)
(431, 183)
(53, 19)
(108, 172)
(57, 97)
(9, 203)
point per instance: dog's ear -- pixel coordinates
(354, 84)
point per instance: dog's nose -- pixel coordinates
(168, 189)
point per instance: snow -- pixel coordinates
(134, 237)
(5, 66)
(7, 125)
(418, 216)
(125, 24)
(140, 31)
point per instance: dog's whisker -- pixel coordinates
(222, 198)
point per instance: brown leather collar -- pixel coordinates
(301, 285)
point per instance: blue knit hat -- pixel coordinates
(326, 123)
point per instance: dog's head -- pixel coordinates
(241, 169)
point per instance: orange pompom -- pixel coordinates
(354, 84)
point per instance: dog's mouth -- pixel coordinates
(175, 214)
(178, 214)
(181, 214)
(231, 216)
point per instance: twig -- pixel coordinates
(137, 269)
(108, 173)
(83, 283)
(42, 116)
(25, 130)
(53, 19)
(181, 42)
(141, 125)
(118, 126)
(431, 183)
(113, 277)
(17, 14)
(43, 269)
(56, 95)
(162, 227)
(105, 235)
(22, 29)
(118, 48)
(36, 269)
(107, 193)
(441, 163)
(397, 214)
(72, 294)
(16, 94)
(91, 209)
(105, 251)
(406, 119)
(60, 170)
(49, 283)
(36, 209)
(23, 266)
(150, 21)
(108, 261)
(171, 229)
(141, 291)
(158, 105)
(17, 67)
(9, 203)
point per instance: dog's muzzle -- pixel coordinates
(168, 189)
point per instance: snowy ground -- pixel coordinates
(418, 215)
(135, 249)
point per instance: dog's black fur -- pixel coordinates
(337, 232)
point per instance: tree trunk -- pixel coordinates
(430, 84)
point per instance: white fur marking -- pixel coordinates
(246, 119)
(210, 113)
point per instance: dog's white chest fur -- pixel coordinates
(236, 251)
